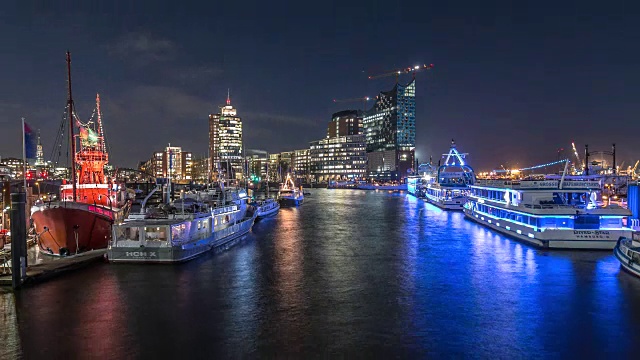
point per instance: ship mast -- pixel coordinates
(101, 145)
(72, 140)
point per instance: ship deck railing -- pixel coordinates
(553, 206)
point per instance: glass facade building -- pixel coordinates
(390, 130)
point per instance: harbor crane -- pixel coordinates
(407, 70)
(364, 100)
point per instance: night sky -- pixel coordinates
(512, 82)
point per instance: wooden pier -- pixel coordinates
(55, 267)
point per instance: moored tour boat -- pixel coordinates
(82, 217)
(548, 213)
(182, 230)
(265, 208)
(627, 251)
(289, 195)
(449, 190)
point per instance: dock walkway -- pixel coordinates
(47, 269)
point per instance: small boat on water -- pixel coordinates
(289, 195)
(183, 229)
(265, 208)
(627, 251)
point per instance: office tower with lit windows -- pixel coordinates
(390, 130)
(300, 165)
(343, 123)
(338, 158)
(225, 143)
(171, 163)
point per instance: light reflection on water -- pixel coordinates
(364, 273)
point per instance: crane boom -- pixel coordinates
(407, 70)
(365, 98)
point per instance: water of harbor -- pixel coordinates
(351, 272)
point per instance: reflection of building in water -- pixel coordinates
(289, 257)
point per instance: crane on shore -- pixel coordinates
(407, 70)
(364, 100)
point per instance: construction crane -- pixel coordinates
(407, 70)
(633, 170)
(363, 99)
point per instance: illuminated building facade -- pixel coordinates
(343, 123)
(300, 164)
(338, 158)
(256, 164)
(390, 130)
(200, 170)
(225, 143)
(172, 162)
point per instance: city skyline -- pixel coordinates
(509, 84)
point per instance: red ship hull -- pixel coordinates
(58, 225)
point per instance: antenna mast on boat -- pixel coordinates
(72, 140)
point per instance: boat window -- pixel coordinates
(587, 222)
(215, 221)
(199, 224)
(155, 233)
(611, 223)
(127, 234)
(180, 233)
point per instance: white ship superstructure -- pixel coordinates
(183, 229)
(561, 213)
(450, 188)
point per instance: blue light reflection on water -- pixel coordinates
(364, 273)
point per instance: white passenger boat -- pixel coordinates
(562, 213)
(182, 230)
(265, 208)
(450, 188)
(627, 251)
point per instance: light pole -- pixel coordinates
(3, 211)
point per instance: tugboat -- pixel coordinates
(627, 251)
(290, 195)
(82, 217)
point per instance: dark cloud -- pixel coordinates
(146, 118)
(142, 48)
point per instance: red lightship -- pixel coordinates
(81, 220)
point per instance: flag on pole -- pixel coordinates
(30, 142)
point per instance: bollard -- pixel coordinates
(18, 239)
